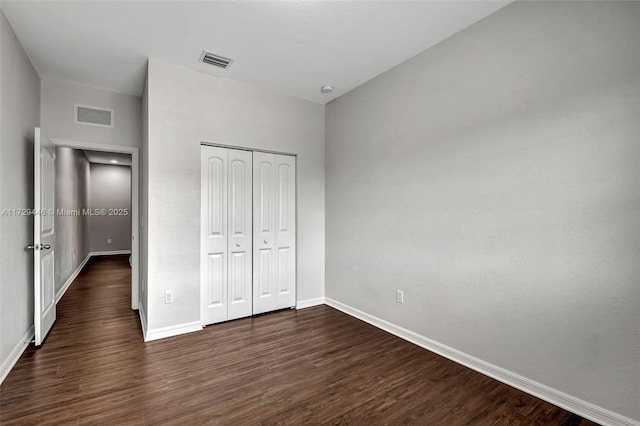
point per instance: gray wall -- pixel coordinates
(110, 189)
(495, 179)
(72, 231)
(58, 99)
(185, 108)
(20, 113)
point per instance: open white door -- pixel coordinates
(43, 235)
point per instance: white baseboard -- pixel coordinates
(556, 397)
(109, 253)
(15, 354)
(143, 321)
(307, 303)
(72, 277)
(174, 330)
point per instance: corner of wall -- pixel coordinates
(170, 331)
(1, 130)
(143, 320)
(143, 193)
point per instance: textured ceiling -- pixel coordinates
(290, 47)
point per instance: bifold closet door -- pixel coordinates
(274, 231)
(226, 228)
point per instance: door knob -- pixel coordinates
(39, 247)
(265, 241)
(237, 244)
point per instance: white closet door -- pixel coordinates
(213, 228)
(274, 232)
(226, 228)
(240, 230)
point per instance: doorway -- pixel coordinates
(113, 153)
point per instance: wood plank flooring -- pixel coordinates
(313, 366)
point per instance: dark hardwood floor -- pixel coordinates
(313, 366)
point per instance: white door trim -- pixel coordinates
(135, 203)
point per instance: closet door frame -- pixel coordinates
(295, 212)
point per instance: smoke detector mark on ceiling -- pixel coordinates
(93, 116)
(215, 60)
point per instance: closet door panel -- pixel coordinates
(264, 233)
(216, 280)
(264, 273)
(214, 238)
(286, 230)
(240, 233)
(274, 232)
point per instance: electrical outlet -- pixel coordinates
(399, 296)
(168, 296)
(109, 240)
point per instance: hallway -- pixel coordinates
(75, 369)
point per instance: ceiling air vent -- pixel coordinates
(215, 60)
(93, 116)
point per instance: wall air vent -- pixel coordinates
(93, 116)
(215, 60)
